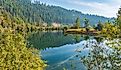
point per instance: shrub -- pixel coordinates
(14, 54)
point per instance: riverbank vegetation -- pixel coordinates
(104, 54)
(14, 53)
(106, 29)
(17, 21)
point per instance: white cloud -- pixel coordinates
(106, 8)
(103, 9)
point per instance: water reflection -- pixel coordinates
(77, 52)
(44, 40)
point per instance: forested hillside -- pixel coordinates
(14, 53)
(38, 13)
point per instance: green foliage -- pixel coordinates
(14, 54)
(119, 12)
(39, 13)
(113, 29)
(77, 23)
(86, 22)
(110, 30)
(87, 25)
(99, 26)
(118, 22)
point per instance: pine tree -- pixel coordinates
(86, 21)
(118, 21)
(77, 23)
(99, 26)
(87, 24)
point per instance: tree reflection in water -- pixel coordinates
(105, 55)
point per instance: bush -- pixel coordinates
(14, 54)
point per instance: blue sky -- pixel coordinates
(107, 8)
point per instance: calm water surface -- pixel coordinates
(67, 51)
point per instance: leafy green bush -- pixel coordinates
(14, 54)
(110, 30)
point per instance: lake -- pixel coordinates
(74, 51)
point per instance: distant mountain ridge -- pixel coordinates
(39, 13)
